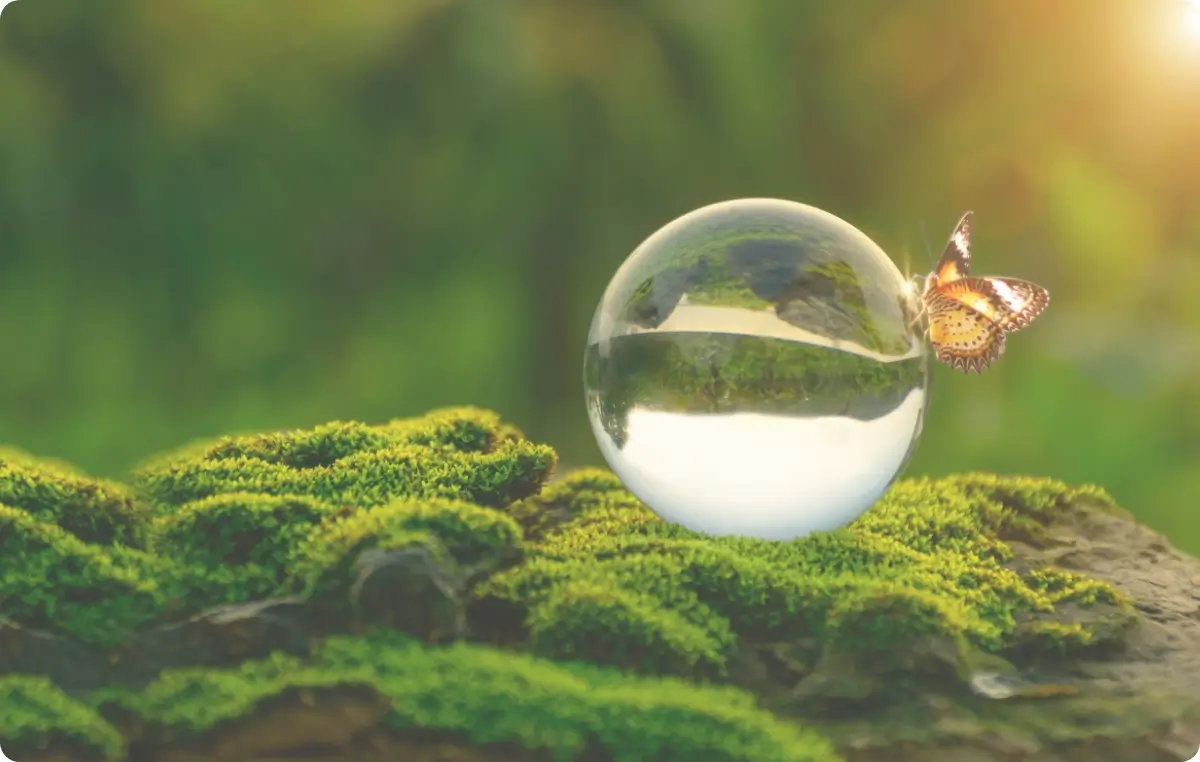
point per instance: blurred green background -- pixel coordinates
(221, 215)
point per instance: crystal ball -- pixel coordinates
(757, 367)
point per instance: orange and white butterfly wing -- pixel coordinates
(1009, 302)
(962, 337)
(1023, 300)
(956, 258)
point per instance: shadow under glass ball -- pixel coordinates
(755, 368)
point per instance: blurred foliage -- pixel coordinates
(225, 215)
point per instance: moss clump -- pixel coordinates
(463, 453)
(570, 497)
(250, 538)
(92, 510)
(34, 714)
(929, 561)
(605, 624)
(464, 534)
(51, 579)
(240, 528)
(486, 696)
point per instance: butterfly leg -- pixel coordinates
(919, 317)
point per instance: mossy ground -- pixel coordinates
(595, 625)
(609, 582)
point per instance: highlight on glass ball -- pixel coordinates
(756, 368)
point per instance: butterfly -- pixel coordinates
(969, 317)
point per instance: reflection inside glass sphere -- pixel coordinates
(756, 368)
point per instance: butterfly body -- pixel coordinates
(970, 316)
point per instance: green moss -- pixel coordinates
(249, 517)
(470, 535)
(462, 453)
(604, 624)
(233, 547)
(238, 528)
(34, 714)
(92, 510)
(452, 507)
(569, 497)
(51, 579)
(488, 696)
(927, 561)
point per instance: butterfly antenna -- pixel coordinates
(928, 248)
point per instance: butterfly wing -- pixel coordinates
(1009, 302)
(1024, 301)
(956, 259)
(963, 337)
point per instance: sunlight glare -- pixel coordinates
(1173, 35)
(1190, 21)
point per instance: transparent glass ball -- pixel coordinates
(756, 368)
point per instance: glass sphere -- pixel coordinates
(756, 368)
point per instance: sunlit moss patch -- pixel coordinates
(930, 560)
(461, 453)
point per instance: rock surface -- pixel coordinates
(1135, 700)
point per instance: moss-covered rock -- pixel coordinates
(240, 519)
(927, 577)
(419, 588)
(36, 715)
(50, 578)
(481, 696)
